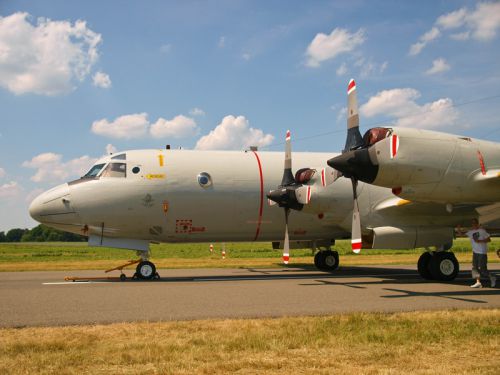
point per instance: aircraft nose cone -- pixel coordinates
(51, 205)
(355, 163)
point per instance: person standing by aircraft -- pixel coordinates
(479, 239)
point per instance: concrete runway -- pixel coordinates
(44, 299)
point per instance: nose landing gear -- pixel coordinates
(146, 270)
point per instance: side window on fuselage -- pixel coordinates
(115, 170)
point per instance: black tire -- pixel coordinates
(444, 266)
(331, 260)
(327, 260)
(145, 270)
(123, 277)
(318, 259)
(423, 266)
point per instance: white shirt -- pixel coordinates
(478, 234)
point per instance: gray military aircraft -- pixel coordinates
(131, 199)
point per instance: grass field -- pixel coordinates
(440, 342)
(72, 256)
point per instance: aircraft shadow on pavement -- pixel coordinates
(365, 276)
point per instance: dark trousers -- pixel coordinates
(479, 266)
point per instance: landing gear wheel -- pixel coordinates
(423, 265)
(145, 270)
(123, 277)
(327, 260)
(318, 259)
(443, 266)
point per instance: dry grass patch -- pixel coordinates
(460, 342)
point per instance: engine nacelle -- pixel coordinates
(408, 237)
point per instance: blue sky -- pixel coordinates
(78, 79)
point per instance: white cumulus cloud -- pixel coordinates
(342, 70)
(197, 112)
(429, 36)
(47, 57)
(50, 167)
(10, 190)
(402, 106)
(102, 80)
(325, 47)
(438, 66)
(123, 127)
(180, 126)
(2, 172)
(481, 24)
(453, 19)
(233, 133)
(137, 125)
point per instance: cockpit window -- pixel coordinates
(120, 157)
(94, 171)
(115, 170)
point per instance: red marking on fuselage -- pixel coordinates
(261, 206)
(481, 162)
(323, 179)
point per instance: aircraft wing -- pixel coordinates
(407, 211)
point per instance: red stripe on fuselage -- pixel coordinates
(261, 207)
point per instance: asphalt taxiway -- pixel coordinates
(45, 299)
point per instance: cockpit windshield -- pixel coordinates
(94, 171)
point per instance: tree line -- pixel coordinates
(40, 233)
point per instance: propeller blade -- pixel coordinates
(356, 220)
(354, 138)
(287, 172)
(303, 194)
(286, 244)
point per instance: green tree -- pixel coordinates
(2, 237)
(42, 233)
(15, 235)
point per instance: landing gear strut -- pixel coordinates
(326, 260)
(438, 265)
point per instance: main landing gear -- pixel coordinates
(326, 260)
(438, 265)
